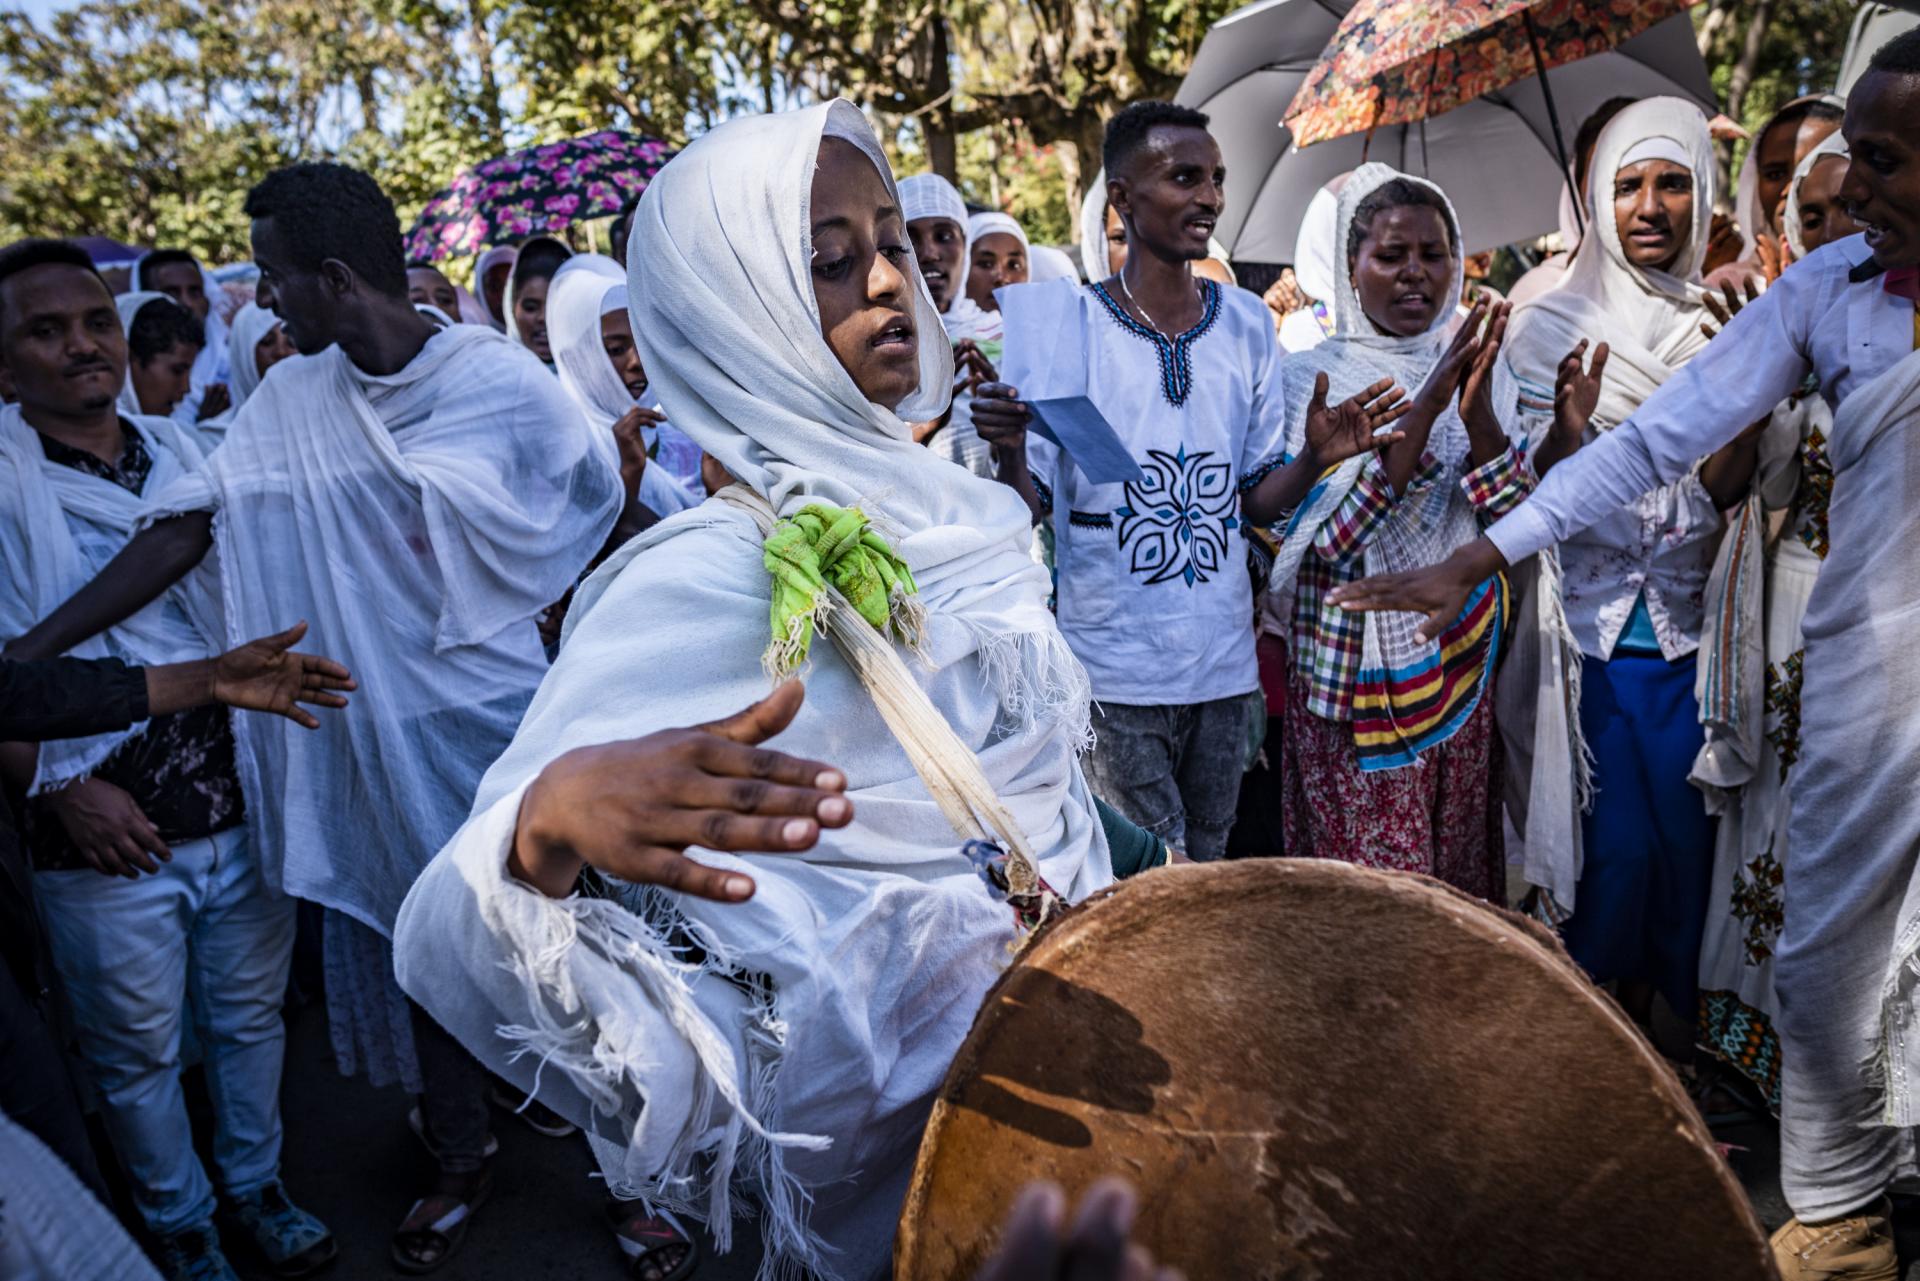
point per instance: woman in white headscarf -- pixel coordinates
(1604, 661)
(940, 226)
(1390, 759)
(587, 324)
(255, 343)
(1765, 175)
(1314, 251)
(789, 1038)
(1738, 1010)
(490, 276)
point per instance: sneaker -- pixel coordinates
(193, 1254)
(293, 1242)
(1856, 1248)
(534, 1114)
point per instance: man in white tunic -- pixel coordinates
(418, 495)
(1844, 976)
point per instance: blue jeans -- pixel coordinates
(1173, 770)
(202, 938)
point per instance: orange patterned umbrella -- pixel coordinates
(1394, 61)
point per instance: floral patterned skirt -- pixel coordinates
(1439, 816)
(1744, 912)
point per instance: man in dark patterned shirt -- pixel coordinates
(141, 865)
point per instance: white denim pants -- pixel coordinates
(204, 939)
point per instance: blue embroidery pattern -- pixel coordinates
(1178, 518)
(1176, 357)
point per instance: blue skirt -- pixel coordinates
(1642, 901)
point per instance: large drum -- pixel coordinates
(1316, 1071)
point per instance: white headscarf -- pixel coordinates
(1045, 263)
(587, 287)
(1649, 319)
(1834, 144)
(251, 324)
(993, 222)
(1316, 247)
(129, 305)
(1093, 230)
(488, 261)
(928, 195)
(1746, 188)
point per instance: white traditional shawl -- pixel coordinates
(1047, 263)
(419, 522)
(1746, 188)
(831, 1003)
(1834, 144)
(1093, 230)
(587, 287)
(58, 528)
(251, 324)
(488, 261)
(1423, 528)
(1651, 323)
(1317, 247)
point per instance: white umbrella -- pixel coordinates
(1494, 156)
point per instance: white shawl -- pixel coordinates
(587, 287)
(1651, 323)
(488, 261)
(831, 1003)
(1422, 529)
(58, 528)
(419, 522)
(251, 324)
(1093, 230)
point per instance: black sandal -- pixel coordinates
(643, 1233)
(418, 1251)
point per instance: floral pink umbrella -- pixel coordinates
(533, 190)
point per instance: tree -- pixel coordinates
(1764, 53)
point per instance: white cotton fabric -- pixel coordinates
(992, 223)
(1045, 263)
(872, 951)
(1661, 544)
(1316, 247)
(1834, 144)
(1655, 148)
(1423, 528)
(928, 195)
(59, 527)
(419, 522)
(251, 325)
(1093, 230)
(586, 288)
(55, 1230)
(488, 261)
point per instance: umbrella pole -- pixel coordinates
(1553, 122)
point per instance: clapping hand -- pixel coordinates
(1339, 432)
(971, 367)
(1476, 380)
(1576, 390)
(1725, 311)
(264, 676)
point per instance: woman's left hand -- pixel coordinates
(1476, 384)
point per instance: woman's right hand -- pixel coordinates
(631, 809)
(1000, 416)
(629, 439)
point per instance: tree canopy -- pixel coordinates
(147, 120)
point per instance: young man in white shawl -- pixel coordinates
(148, 883)
(1154, 592)
(179, 275)
(418, 495)
(1844, 968)
(1754, 739)
(778, 1022)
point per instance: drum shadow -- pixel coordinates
(1093, 1053)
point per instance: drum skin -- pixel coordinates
(1319, 1072)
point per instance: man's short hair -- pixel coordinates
(23, 255)
(324, 210)
(163, 258)
(1127, 131)
(1899, 56)
(159, 326)
(1589, 135)
(623, 223)
(539, 259)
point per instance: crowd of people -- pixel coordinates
(1595, 590)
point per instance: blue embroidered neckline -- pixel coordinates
(1176, 356)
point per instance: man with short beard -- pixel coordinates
(1845, 970)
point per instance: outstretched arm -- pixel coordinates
(153, 560)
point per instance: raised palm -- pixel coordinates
(1338, 432)
(1576, 389)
